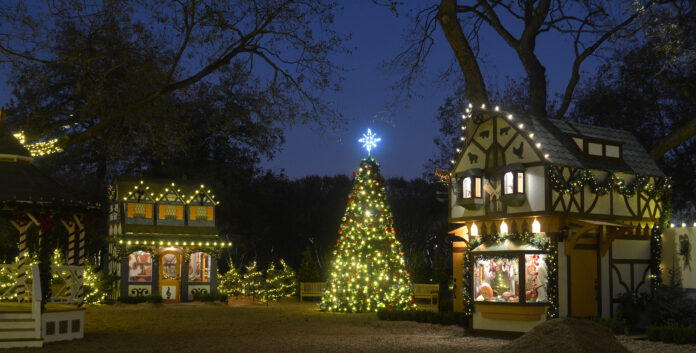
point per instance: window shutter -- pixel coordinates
(148, 211)
(162, 211)
(131, 210)
(209, 213)
(192, 212)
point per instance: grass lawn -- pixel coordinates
(284, 327)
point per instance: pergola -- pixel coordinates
(30, 198)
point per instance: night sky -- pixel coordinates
(407, 130)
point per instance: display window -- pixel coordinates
(140, 267)
(535, 277)
(199, 267)
(496, 278)
(512, 277)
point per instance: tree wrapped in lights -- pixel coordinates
(368, 270)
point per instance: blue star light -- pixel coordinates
(369, 141)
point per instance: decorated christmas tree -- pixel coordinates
(368, 271)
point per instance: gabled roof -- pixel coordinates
(159, 186)
(556, 141)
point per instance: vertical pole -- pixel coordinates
(71, 228)
(22, 227)
(80, 259)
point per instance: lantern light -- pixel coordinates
(503, 228)
(536, 226)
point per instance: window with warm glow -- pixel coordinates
(467, 187)
(535, 278)
(477, 190)
(199, 267)
(496, 279)
(140, 267)
(509, 183)
(520, 182)
(139, 210)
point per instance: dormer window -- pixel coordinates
(597, 148)
(513, 182)
(472, 187)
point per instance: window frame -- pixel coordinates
(152, 267)
(522, 265)
(515, 173)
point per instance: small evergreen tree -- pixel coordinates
(288, 280)
(253, 281)
(231, 282)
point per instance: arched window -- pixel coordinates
(513, 182)
(471, 187)
(139, 267)
(199, 267)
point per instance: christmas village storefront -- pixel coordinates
(165, 239)
(553, 219)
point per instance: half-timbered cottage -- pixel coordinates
(553, 219)
(164, 238)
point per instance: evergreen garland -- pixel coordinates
(541, 242)
(585, 178)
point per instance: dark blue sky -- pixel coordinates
(407, 131)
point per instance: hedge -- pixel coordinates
(672, 333)
(128, 299)
(442, 318)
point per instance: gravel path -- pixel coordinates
(287, 327)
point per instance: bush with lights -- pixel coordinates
(368, 271)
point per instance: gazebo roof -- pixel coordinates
(23, 182)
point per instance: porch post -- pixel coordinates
(184, 278)
(80, 259)
(213, 274)
(22, 226)
(71, 227)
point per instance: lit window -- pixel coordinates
(535, 277)
(139, 267)
(199, 267)
(496, 279)
(513, 183)
(471, 187)
(509, 183)
(467, 187)
(201, 212)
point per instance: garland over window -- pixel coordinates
(611, 182)
(536, 240)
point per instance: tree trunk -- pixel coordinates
(676, 138)
(537, 82)
(475, 86)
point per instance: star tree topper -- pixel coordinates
(369, 140)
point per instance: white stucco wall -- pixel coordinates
(671, 257)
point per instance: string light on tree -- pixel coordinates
(368, 271)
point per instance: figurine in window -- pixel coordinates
(542, 276)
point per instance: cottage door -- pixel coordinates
(583, 283)
(170, 276)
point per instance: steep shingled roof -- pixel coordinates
(556, 140)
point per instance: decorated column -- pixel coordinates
(368, 270)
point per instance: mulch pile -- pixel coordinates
(566, 336)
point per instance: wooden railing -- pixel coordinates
(66, 284)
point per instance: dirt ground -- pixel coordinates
(285, 327)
